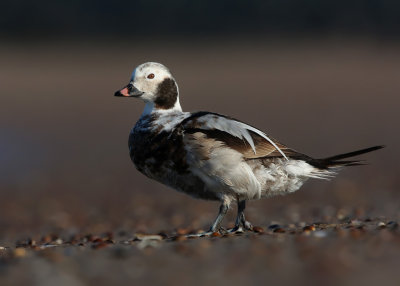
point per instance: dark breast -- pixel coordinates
(153, 152)
(161, 156)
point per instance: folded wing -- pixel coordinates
(247, 140)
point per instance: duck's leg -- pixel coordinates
(216, 226)
(223, 209)
(241, 223)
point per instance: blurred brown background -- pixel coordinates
(322, 78)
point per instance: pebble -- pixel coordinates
(381, 224)
(309, 228)
(216, 234)
(58, 241)
(147, 240)
(356, 222)
(274, 226)
(258, 229)
(180, 238)
(139, 236)
(279, 230)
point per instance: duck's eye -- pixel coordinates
(150, 76)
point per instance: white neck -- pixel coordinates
(150, 108)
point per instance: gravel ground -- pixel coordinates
(351, 252)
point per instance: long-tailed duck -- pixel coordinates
(212, 156)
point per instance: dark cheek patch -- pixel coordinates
(167, 94)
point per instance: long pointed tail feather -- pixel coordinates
(354, 153)
(335, 161)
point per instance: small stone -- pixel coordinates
(58, 241)
(140, 236)
(180, 238)
(356, 222)
(381, 224)
(279, 230)
(216, 234)
(309, 228)
(274, 226)
(258, 229)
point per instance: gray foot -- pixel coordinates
(242, 227)
(241, 224)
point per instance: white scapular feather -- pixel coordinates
(237, 129)
(262, 134)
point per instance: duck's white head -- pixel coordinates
(155, 85)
